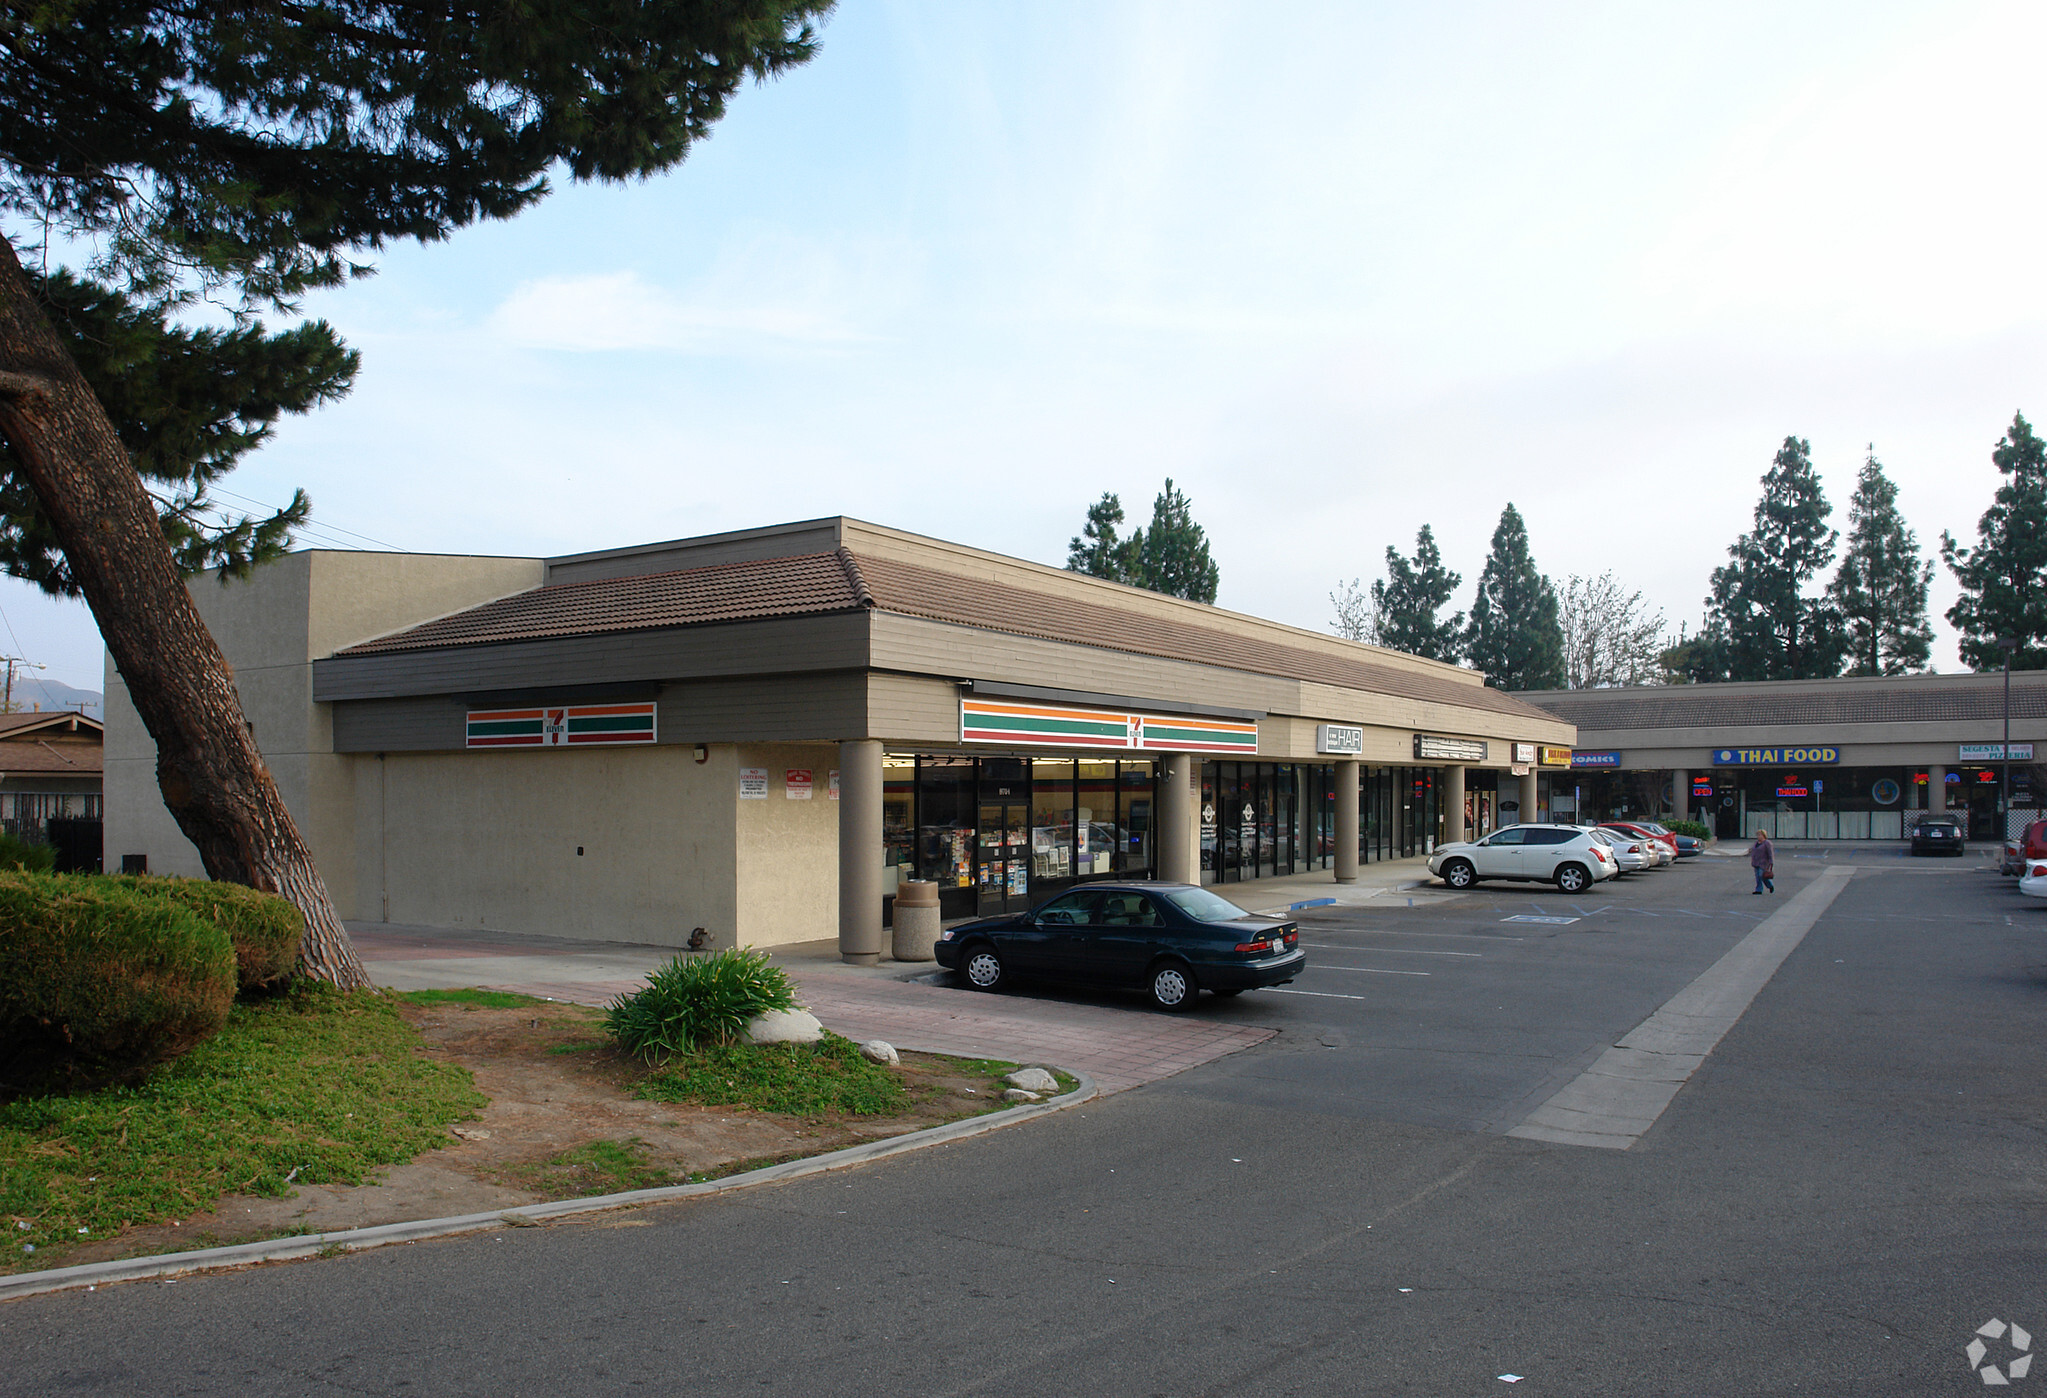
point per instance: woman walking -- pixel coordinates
(1762, 857)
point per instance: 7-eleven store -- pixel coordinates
(764, 733)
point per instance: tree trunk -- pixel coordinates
(212, 778)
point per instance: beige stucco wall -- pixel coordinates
(788, 850)
(271, 626)
(491, 840)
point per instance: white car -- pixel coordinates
(2033, 878)
(1571, 858)
(1629, 856)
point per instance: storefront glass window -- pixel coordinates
(1096, 835)
(1211, 826)
(1135, 803)
(1052, 825)
(945, 821)
(898, 816)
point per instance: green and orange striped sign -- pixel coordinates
(1033, 724)
(570, 725)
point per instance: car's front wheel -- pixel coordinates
(1573, 878)
(1458, 873)
(983, 968)
(1172, 986)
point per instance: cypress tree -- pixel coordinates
(1408, 600)
(1772, 629)
(2004, 578)
(1515, 635)
(1880, 589)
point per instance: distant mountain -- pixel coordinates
(50, 694)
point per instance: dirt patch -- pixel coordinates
(562, 1123)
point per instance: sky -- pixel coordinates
(1338, 270)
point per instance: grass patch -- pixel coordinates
(808, 1080)
(580, 1046)
(597, 1167)
(314, 1081)
(472, 998)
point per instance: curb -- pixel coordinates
(174, 1264)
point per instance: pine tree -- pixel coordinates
(1515, 636)
(1172, 554)
(249, 154)
(1099, 551)
(2004, 578)
(1410, 598)
(1772, 629)
(1880, 588)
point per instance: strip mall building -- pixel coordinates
(1845, 759)
(760, 733)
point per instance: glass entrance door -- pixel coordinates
(1003, 875)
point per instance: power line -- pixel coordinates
(329, 529)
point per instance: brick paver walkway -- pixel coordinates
(1120, 1045)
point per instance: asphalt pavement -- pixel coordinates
(1848, 1188)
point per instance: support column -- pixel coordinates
(860, 851)
(1347, 822)
(1176, 821)
(1453, 805)
(1681, 794)
(1936, 788)
(1528, 811)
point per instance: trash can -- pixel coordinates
(916, 921)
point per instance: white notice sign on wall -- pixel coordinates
(753, 783)
(835, 784)
(796, 784)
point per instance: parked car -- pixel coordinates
(2033, 878)
(1669, 837)
(2029, 847)
(1566, 855)
(1937, 835)
(1174, 940)
(1630, 856)
(1648, 832)
(1689, 845)
(1647, 853)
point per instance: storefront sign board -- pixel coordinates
(1583, 760)
(753, 783)
(1553, 757)
(1994, 752)
(1524, 753)
(1428, 749)
(1338, 739)
(1775, 757)
(796, 783)
(572, 725)
(1030, 724)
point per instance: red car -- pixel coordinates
(1643, 832)
(2030, 847)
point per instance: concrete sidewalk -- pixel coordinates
(1117, 1042)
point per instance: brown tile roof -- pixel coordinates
(818, 582)
(71, 759)
(42, 718)
(840, 581)
(1945, 699)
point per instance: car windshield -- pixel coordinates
(1203, 906)
(1603, 836)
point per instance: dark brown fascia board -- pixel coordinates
(818, 641)
(1106, 701)
(624, 692)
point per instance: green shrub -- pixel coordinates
(19, 854)
(1688, 827)
(100, 982)
(265, 929)
(807, 1080)
(698, 1000)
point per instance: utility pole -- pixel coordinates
(12, 661)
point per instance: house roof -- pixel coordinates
(1902, 699)
(21, 724)
(843, 581)
(51, 759)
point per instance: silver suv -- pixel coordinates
(1565, 855)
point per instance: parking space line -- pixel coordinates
(1388, 951)
(1319, 994)
(1374, 971)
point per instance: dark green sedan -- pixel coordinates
(1173, 940)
